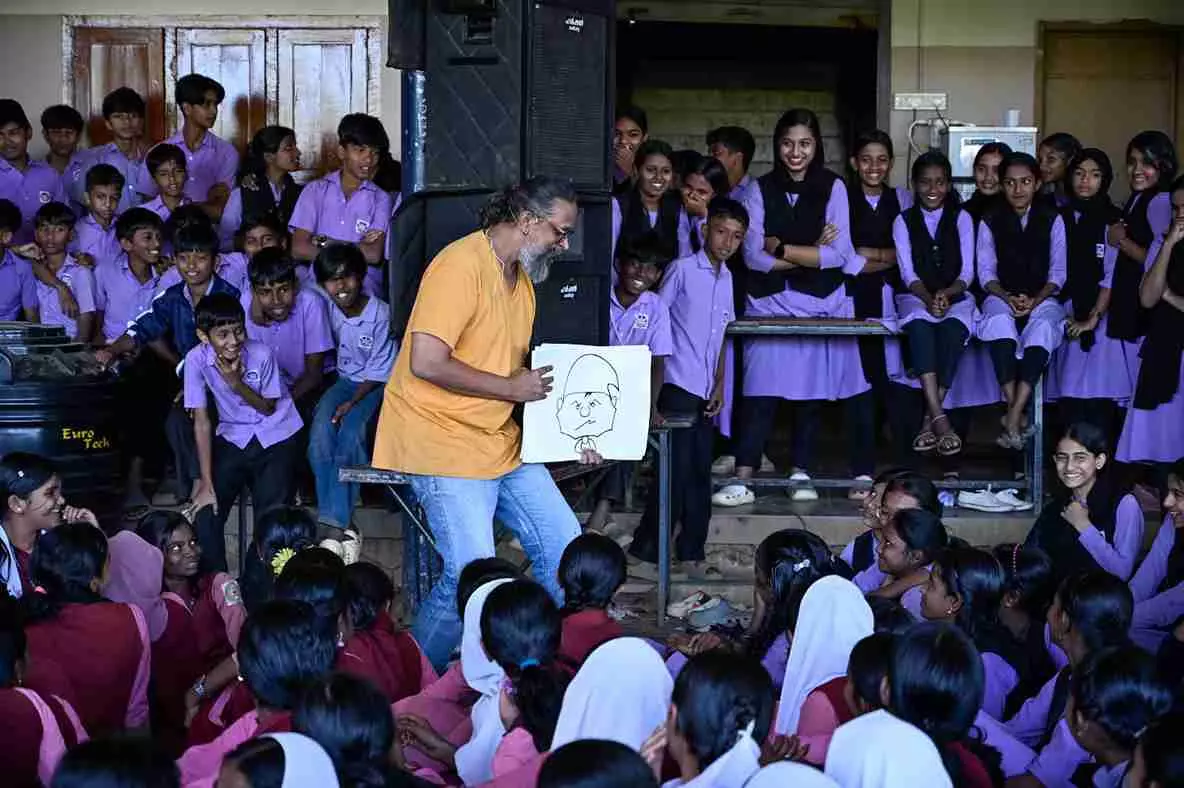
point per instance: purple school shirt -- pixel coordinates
(238, 422)
(1111, 776)
(870, 578)
(81, 282)
(1014, 755)
(215, 161)
(1061, 757)
(999, 679)
(700, 304)
(1156, 611)
(833, 255)
(1119, 558)
(904, 246)
(988, 262)
(365, 347)
(1154, 568)
(90, 238)
(120, 296)
(645, 322)
(685, 228)
(306, 331)
(1030, 721)
(74, 182)
(129, 168)
(157, 206)
(322, 209)
(29, 190)
(231, 267)
(18, 286)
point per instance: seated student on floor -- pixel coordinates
(292, 321)
(1158, 583)
(18, 286)
(256, 441)
(1028, 588)
(344, 416)
(909, 543)
(704, 180)
(637, 316)
(1021, 266)
(590, 572)
(892, 490)
(346, 205)
(169, 329)
(67, 617)
(1158, 761)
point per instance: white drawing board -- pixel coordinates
(600, 400)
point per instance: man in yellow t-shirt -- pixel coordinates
(446, 413)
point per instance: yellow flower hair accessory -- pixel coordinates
(281, 559)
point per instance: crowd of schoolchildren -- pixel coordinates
(244, 314)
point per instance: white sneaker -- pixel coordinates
(725, 465)
(801, 494)
(981, 501)
(733, 495)
(683, 607)
(1012, 498)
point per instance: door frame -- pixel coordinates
(1043, 29)
(169, 24)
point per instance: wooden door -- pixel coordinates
(1105, 86)
(236, 58)
(323, 75)
(108, 58)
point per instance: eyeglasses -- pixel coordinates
(561, 233)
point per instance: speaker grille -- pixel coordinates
(567, 121)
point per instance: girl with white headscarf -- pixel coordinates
(784, 774)
(305, 763)
(878, 750)
(720, 710)
(834, 617)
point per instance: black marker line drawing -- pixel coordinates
(588, 407)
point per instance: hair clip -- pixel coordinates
(281, 559)
(1015, 554)
(507, 686)
(527, 663)
(800, 565)
(38, 590)
(20, 474)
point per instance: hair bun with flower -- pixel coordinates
(281, 559)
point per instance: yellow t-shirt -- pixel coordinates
(424, 429)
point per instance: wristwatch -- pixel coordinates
(779, 252)
(199, 688)
(320, 241)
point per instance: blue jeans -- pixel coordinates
(331, 446)
(460, 513)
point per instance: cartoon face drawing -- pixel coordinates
(588, 407)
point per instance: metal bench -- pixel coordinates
(837, 327)
(421, 563)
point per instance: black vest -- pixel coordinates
(1022, 254)
(635, 221)
(1159, 372)
(1128, 319)
(260, 201)
(1060, 540)
(796, 225)
(1085, 237)
(936, 261)
(872, 227)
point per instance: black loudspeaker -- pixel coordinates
(517, 88)
(571, 305)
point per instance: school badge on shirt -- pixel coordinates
(1099, 250)
(361, 226)
(641, 321)
(231, 593)
(251, 376)
(365, 341)
(44, 197)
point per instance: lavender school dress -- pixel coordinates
(1154, 428)
(1022, 254)
(1095, 365)
(796, 213)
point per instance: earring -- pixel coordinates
(340, 640)
(949, 611)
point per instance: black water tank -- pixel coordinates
(57, 402)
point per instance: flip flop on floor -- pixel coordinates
(925, 442)
(949, 444)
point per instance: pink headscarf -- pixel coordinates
(134, 577)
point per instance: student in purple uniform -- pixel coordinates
(1151, 167)
(653, 206)
(697, 291)
(988, 180)
(636, 316)
(1090, 613)
(27, 183)
(229, 266)
(292, 321)
(1021, 266)
(210, 162)
(61, 127)
(796, 249)
(18, 286)
(125, 288)
(1154, 429)
(365, 353)
(169, 329)
(629, 132)
(893, 490)
(256, 440)
(1089, 373)
(1028, 587)
(94, 234)
(123, 114)
(734, 147)
(265, 184)
(345, 205)
(1113, 697)
(1055, 153)
(53, 227)
(166, 165)
(1158, 761)
(965, 588)
(1158, 584)
(704, 180)
(1093, 522)
(935, 250)
(909, 543)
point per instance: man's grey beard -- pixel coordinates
(537, 263)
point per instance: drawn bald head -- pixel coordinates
(588, 407)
